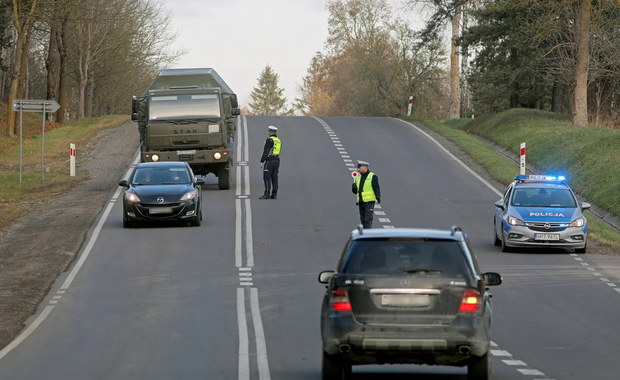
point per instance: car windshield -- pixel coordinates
(409, 255)
(543, 197)
(161, 176)
(192, 106)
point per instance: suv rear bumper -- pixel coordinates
(450, 344)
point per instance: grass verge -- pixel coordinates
(39, 183)
(586, 155)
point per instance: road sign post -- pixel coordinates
(33, 105)
(410, 106)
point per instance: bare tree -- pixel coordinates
(24, 15)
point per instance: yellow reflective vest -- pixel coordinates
(368, 194)
(277, 145)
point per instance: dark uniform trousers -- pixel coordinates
(366, 213)
(270, 176)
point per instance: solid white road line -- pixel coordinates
(244, 343)
(261, 346)
(91, 242)
(487, 184)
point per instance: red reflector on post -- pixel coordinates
(470, 302)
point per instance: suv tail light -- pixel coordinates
(340, 300)
(471, 301)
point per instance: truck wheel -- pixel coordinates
(223, 178)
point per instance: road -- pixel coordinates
(238, 297)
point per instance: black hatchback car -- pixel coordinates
(162, 191)
(408, 296)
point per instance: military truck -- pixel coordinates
(188, 115)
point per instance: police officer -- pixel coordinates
(270, 162)
(367, 192)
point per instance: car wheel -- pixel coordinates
(497, 242)
(335, 368)
(127, 223)
(581, 250)
(479, 368)
(197, 221)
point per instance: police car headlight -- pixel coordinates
(577, 222)
(514, 221)
(131, 197)
(188, 196)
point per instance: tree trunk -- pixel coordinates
(455, 86)
(52, 63)
(62, 76)
(580, 99)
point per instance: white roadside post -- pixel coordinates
(410, 106)
(522, 161)
(72, 160)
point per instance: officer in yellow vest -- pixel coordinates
(270, 163)
(367, 192)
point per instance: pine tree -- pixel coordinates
(267, 97)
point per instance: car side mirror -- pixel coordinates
(325, 276)
(492, 278)
(585, 205)
(235, 112)
(123, 183)
(200, 181)
(499, 204)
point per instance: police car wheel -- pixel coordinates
(505, 248)
(498, 241)
(581, 250)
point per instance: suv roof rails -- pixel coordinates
(454, 229)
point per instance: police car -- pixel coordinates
(540, 211)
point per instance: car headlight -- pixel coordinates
(189, 196)
(577, 222)
(155, 157)
(217, 155)
(514, 221)
(131, 197)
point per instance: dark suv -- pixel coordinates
(406, 296)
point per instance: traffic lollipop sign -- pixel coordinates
(354, 174)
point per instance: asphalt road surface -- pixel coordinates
(238, 297)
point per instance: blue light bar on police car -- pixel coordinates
(538, 178)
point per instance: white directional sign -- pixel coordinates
(35, 105)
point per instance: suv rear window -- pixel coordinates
(398, 256)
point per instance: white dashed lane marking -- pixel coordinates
(350, 165)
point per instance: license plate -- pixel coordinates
(182, 152)
(547, 237)
(405, 299)
(160, 210)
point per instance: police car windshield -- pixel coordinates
(406, 256)
(543, 197)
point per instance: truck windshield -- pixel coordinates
(191, 106)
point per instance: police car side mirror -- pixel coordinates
(123, 183)
(499, 204)
(585, 205)
(200, 181)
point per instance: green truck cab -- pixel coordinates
(188, 115)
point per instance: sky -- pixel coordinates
(239, 38)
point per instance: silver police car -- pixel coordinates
(540, 211)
